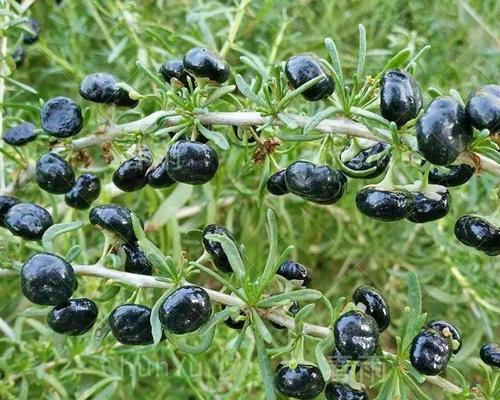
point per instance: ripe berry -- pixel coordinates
(6, 203)
(136, 261)
(303, 382)
(123, 99)
(99, 87)
(235, 324)
(158, 177)
(61, 117)
(276, 183)
(130, 324)
(18, 56)
(443, 131)
(174, 69)
(302, 68)
(427, 209)
(356, 335)
(490, 354)
(20, 134)
(447, 330)
(292, 270)
(185, 310)
(34, 28)
(400, 97)
(483, 108)
(28, 220)
(54, 174)
(478, 233)
(342, 391)
(131, 174)
(73, 317)
(430, 352)
(319, 184)
(215, 249)
(193, 163)
(360, 163)
(114, 218)
(455, 175)
(47, 279)
(384, 205)
(84, 192)
(204, 63)
(374, 304)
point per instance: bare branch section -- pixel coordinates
(146, 281)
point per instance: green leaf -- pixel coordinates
(398, 59)
(271, 266)
(232, 253)
(218, 138)
(319, 117)
(415, 389)
(247, 92)
(107, 392)
(324, 346)
(95, 387)
(362, 51)
(294, 93)
(152, 76)
(295, 295)
(258, 324)
(218, 317)
(178, 342)
(334, 57)
(156, 327)
(266, 370)
(301, 316)
(21, 85)
(58, 229)
(217, 94)
(108, 293)
(172, 204)
(73, 253)
(414, 294)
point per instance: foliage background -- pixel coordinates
(343, 248)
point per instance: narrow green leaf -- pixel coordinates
(179, 343)
(152, 76)
(295, 295)
(173, 203)
(319, 117)
(414, 293)
(95, 387)
(398, 59)
(247, 92)
(415, 389)
(156, 327)
(324, 346)
(301, 316)
(362, 51)
(218, 138)
(334, 57)
(266, 370)
(258, 324)
(232, 253)
(58, 229)
(21, 85)
(218, 317)
(271, 266)
(294, 93)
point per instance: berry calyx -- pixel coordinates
(73, 317)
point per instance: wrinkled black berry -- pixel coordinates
(204, 63)
(276, 183)
(427, 209)
(490, 354)
(20, 134)
(443, 131)
(360, 163)
(130, 324)
(317, 183)
(302, 68)
(185, 310)
(447, 329)
(47, 279)
(99, 87)
(6, 203)
(356, 335)
(478, 233)
(136, 261)
(292, 270)
(54, 174)
(61, 117)
(131, 174)
(400, 97)
(342, 391)
(34, 28)
(19, 55)
(215, 249)
(158, 177)
(455, 175)
(303, 382)
(384, 205)
(174, 69)
(73, 317)
(375, 305)
(193, 163)
(84, 192)
(430, 352)
(483, 108)
(28, 220)
(114, 218)
(123, 99)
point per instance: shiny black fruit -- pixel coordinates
(427, 209)
(20, 134)
(158, 177)
(356, 335)
(61, 117)
(47, 279)
(54, 174)
(6, 203)
(185, 310)
(360, 163)
(99, 87)
(130, 324)
(84, 192)
(430, 352)
(447, 330)
(174, 69)
(204, 63)
(292, 270)
(193, 163)
(478, 233)
(73, 317)
(114, 218)
(28, 220)
(123, 99)
(400, 97)
(342, 391)
(490, 354)
(374, 304)
(34, 28)
(302, 68)
(233, 323)
(317, 183)
(215, 249)
(443, 131)
(136, 261)
(131, 174)
(455, 175)
(384, 205)
(276, 184)
(303, 382)
(483, 108)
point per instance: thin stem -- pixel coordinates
(3, 66)
(234, 28)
